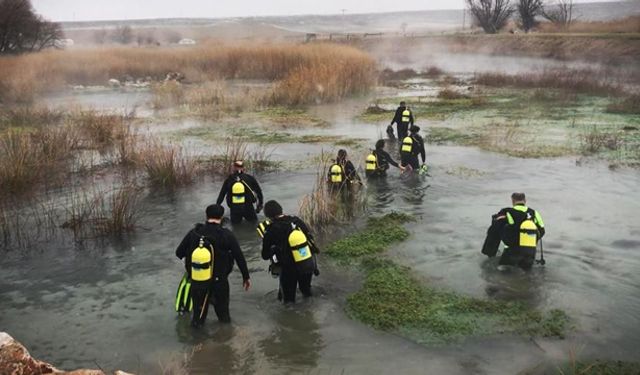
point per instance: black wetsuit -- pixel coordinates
(349, 175)
(275, 242)
(417, 148)
(501, 231)
(253, 194)
(403, 127)
(383, 160)
(226, 250)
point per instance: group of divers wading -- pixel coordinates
(209, 250)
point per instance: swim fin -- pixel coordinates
(184, 303)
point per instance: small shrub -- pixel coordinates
(450, 94)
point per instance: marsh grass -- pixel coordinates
(319, 208)
(451, 94)
(629, 105)
(167, 165)
(594, 140)
(167, 94)
(581, 81)
(101, 213)
(99, 130)
(28, 158)
(305, 73)
(27, 116)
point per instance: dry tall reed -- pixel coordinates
(311, 72)
(578, 80)
(168, 165)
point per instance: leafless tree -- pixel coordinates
(22, 30)
(527, 12)
(123, 35)
(560, 12)
(172, 36)
(491, 15)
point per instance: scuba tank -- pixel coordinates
(336, 173)
(528, 233)
(238, 191)
(300, 250)
(371, 162)
(202, 262)
(407, 144)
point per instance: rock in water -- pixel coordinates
(16, 360)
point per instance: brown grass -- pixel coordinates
(580, 81)
(319, 208)
(625, 25)
(28, 159)
(310, 72)
(450, 94)
(629, 105)
(104, 213)
(257, 159)
(168, 165)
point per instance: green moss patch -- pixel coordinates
(391, 299)
(378, 234)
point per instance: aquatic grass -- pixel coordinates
(102, 213)
(30, 117)
(393, 300)
(167, 94)
(34, 157)
(377, 235)
(256, 157)
(99, 130)
(319, 208)
(577, 80)
(167, 165)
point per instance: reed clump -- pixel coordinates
(168, 165)
(100, 213)
(311, 72)
(578, 80)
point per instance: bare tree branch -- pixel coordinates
(527, 12)
(491, 15)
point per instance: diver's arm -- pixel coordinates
(236, 252)
(223, 191)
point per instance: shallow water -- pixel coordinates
(111, 303)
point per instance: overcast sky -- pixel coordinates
(85, 10)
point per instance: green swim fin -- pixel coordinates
(184, 303)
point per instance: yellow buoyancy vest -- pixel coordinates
(336, 173)
(407, 144)
(299, 245)
(238, 193)
(372, 162)
(202, 263)
(262, 228)
(406, 115)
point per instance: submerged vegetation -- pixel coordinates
(378, 234)
(394, 300)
